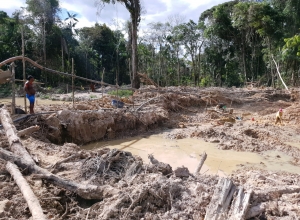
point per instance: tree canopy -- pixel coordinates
(230, 45)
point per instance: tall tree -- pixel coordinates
(193, 39)
(43, 16)
(134, 8)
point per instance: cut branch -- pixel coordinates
(28, 130)
(32, 201)
(156, 97)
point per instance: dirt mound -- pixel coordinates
(86, 126)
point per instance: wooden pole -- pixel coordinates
(73, 81)
(117, 90)
(32, 201)
(23, 60)
(102, 87)
(13, 104)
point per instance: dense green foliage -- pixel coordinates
(231, 44)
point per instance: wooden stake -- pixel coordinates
(23, 60)
(73, 81)
(13, 104)
(203, 158)
(102, 87)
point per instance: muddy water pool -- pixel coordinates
(187, 152)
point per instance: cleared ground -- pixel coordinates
(150, 191)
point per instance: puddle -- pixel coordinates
(187, 152)
(38, 101)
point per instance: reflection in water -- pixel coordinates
(187, 152)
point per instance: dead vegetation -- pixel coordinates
(154, 190)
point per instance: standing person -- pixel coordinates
(279, 115)
(30, 92)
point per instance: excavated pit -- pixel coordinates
(149, 190)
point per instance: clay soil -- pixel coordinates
(155, 191)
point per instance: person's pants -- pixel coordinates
(31, 99)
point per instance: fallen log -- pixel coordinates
(14, 141)
(240, 205)
(220, 201)
(219, 206)
(32, 201)
(28, 130)
(23, 159)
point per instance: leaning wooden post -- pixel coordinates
(102, 86)
(203, 158)
(13, 104)
(73, 81)
(32, 201)
(23, 60)
(117, 89)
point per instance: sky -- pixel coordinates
(115, 15)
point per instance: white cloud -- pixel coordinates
(156, 10)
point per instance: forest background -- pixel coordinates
(232, 44)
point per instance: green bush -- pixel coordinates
(5, 90)
(122, 93)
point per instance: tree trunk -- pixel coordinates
(220, 201)
(219, 206)
(178, 68)
(240, 205)
(135, 78)
(44, 48)
(25, 161)
(32, 201)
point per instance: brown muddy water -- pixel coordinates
(187, 152)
